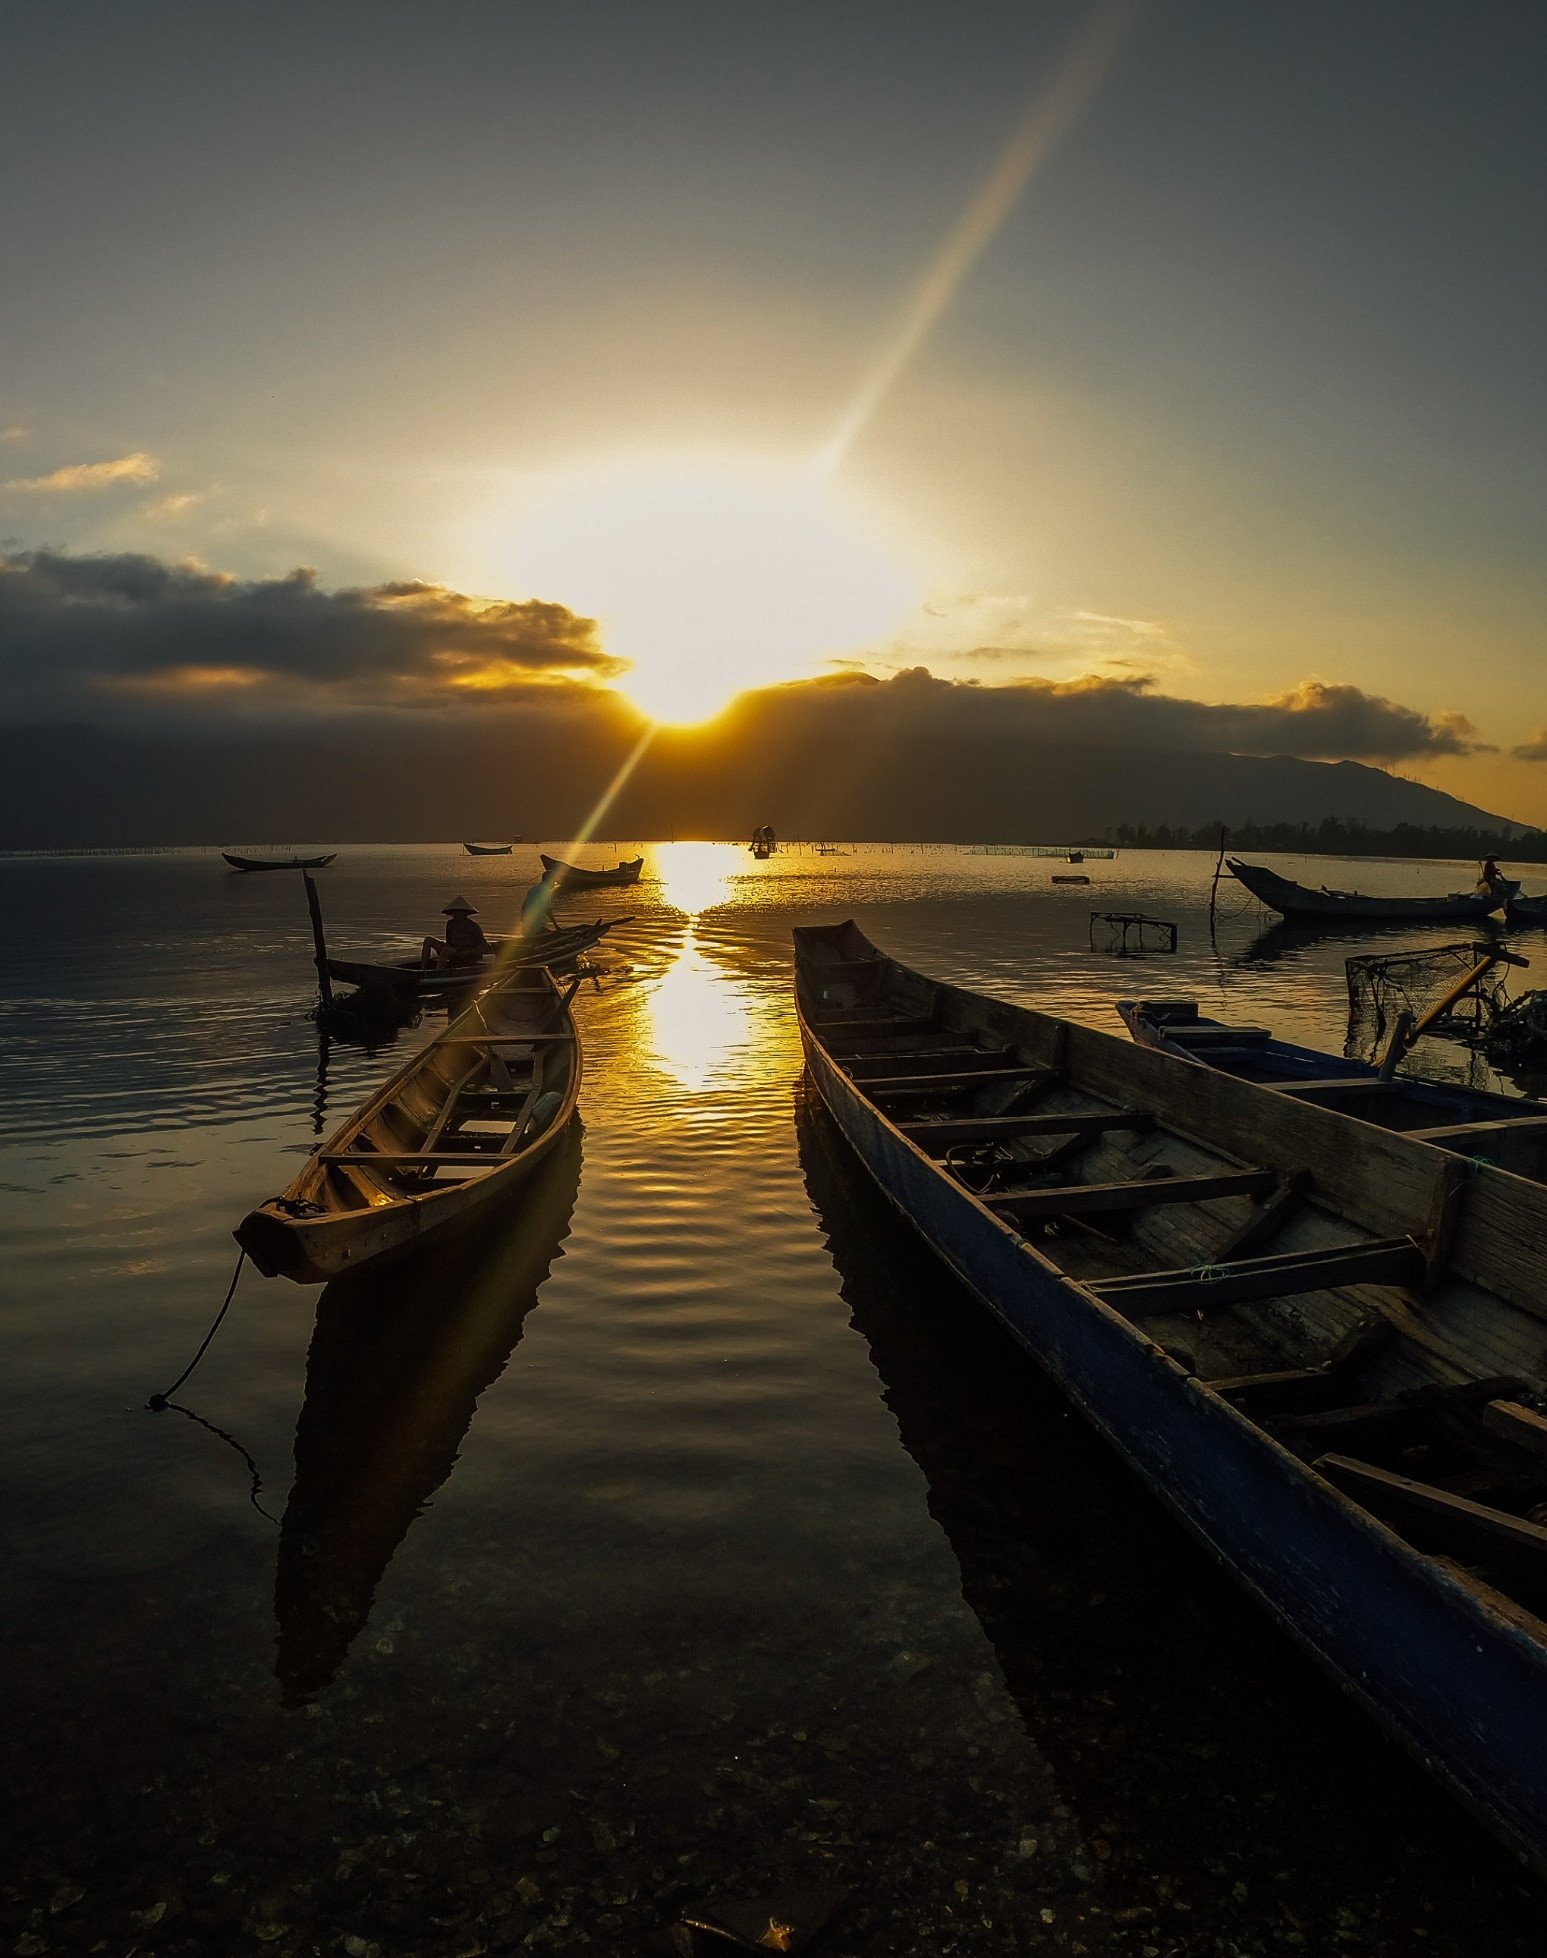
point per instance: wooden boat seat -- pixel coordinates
(1472, 1532)
(952, 1052)
(942, 1131)
(1195, 1036)
(958, 1079)
(1242, 1281)
(1102, 1199)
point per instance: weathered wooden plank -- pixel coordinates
(1269, 1220)
(397, 1158)
(1000, 1128)
(1521, 1425)
(1346, 1086)
(969, 1077)
(956, 1050)
(869, 1024)
(1471, 1531)
(506, 1040)
(1395, 1412)
(1097, 1199)
(1296, 1385)
(1381, 1261)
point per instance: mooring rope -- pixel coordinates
(158, 1401)
(231, 1442)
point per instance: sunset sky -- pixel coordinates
(1195, 344)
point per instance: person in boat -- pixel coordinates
(537, 906)
(464, 942)
(1490, 873)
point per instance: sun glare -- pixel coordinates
(710, 578)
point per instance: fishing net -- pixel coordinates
(1379, 989)
(1516, 1038)
(1130, 935)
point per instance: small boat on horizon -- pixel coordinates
(571, 877)
(278, 863)
(1319, 1342)
(458, 1127)
(490, 849)
(1298, 901)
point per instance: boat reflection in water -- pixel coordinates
(1132, 1661)
(396, 1365)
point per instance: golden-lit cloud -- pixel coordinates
(136, 468)
(1533, 750)
(167, 509)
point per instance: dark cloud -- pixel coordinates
(1533, 750)
(74, 629)
(1315, 720)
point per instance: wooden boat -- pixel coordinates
(488, 849)
(1069, 877)
(458, 1128)
(279, 863)
(1297, 901)
(1319, 1342)
(397, 1364)
(572, 878)
(1504, 1129)
(1526, 910)
(555, 949)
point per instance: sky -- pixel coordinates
(372, 356)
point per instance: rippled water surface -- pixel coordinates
(687, 1534)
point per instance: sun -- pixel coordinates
(710, 577)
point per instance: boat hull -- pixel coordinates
(1297, 901)
(1457, 1681)
(571, 877)
(278, 863)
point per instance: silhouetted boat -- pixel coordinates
(557, 948)
(279, 863)
(488, 849)
(397, 1363)
(460, 1126)
(571, 877)
(1526, 910)
(1473, 1122)
(1319, 1342)
(1297, 901)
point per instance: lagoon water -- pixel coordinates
(690, 1534)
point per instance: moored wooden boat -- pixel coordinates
(459, 1127)
(278, 863)
(1294, 900)
(1320, 1343)
(1526, 910)
(556, 949)
(1507, 1130)
(571, 877)
(488, 849)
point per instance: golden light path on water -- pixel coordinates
(700, 1020)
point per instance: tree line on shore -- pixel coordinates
(1334, 836)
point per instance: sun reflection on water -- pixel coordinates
(695, 876)
(701, 1021)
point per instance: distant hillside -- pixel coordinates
(421, 776)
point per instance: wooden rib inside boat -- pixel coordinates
(1323, 1344)
(459, 1127)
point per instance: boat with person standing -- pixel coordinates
(1298, 901)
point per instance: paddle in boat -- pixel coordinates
(1503, 1129)
(1321, 1343)
(571, 877)
(278, 863)
(1299, 902)
(457, 1129)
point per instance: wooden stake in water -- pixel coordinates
(319, 942)
(1219, 864)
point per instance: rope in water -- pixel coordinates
(158, 1401)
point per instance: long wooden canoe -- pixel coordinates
(572, 878)
(459, 1127)
(1352, 907)
(279, 863)
(1507, 1130)
(556, 949)
(1526, 910)
(488, 849)
(1322, 1344)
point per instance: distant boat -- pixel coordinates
(279, 863)
(1297, 901)
(1473, 1122)
(572, 878)
(459, 1127)
(1320, 1343)
(1526, 910)
(1069, 877)
(488, 849)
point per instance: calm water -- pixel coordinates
(690, 1535)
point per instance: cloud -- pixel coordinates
(1533, 750)
(78, 629)
(137, 468)
(168, 508)
(15, 433)
(1317, 720)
